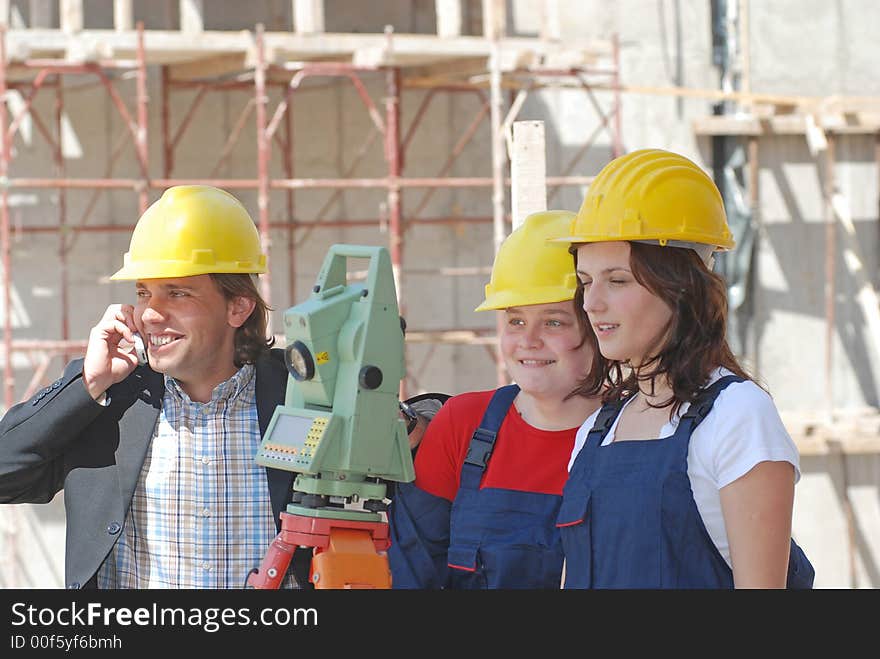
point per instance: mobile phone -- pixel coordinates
(140, 349)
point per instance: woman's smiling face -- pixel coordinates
(628, 319)
(543, 348)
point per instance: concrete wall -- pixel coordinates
(796, 47)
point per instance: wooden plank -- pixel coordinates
(192, 16)
(450, 71)
(860, 123)
(851, 432)
(690, 92)
(208, 67)
(167, 46)
(858, 445)
(528, 170)
(728, 125)
(308, 16)
(551, 26)
(467, 337)
(494, 19)
(70, 16)
(816, 139)
(854, 122)
(161, 46)
(866, 297)
(448, 18)
(123, 18)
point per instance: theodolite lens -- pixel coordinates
(299, 361)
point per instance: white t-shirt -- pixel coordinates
(742, 429)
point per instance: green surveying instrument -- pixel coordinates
(339, 429)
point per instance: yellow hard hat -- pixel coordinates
(193, 230)
(652, 195)
(530, 270)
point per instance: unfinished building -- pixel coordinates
(392, 122)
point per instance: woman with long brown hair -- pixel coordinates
(685, 478)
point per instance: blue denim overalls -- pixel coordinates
(486, 538)
(629, 519)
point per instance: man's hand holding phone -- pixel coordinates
(109, 355)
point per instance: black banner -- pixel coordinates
(370, 621)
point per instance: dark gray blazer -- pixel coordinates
(62, 439)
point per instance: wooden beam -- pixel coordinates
(864, 445)
(528, 171)
(494, 19)
(70, 16)
(168, 46)
(122, 15)
(719, 94)
(467, 337)
(728, 125)
(866, 297)
(192, 16)
(856, 123)
(208, 67)
(308, 16)
(815, 134)
(448, 18)
(451, 71)
(851, 432)
(499, 228)
(551, 27)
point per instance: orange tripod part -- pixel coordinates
(348, 554)
(273, 567)
(350, 561)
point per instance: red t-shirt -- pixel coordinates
(524, 458)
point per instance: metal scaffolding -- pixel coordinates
(131, 52)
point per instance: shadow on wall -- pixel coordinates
(800, 248)
(837, 519)
(32, 545)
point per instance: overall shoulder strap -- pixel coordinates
(700, 408)
(800, 571)
(483, 439)
(604, 420)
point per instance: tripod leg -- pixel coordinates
(350, 560)
(274, 566)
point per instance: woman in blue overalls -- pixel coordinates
(709, 503)
(492, 464)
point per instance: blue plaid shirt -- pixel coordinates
(200, 516)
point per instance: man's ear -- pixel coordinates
(239, 309)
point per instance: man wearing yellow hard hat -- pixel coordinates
(156, 460)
